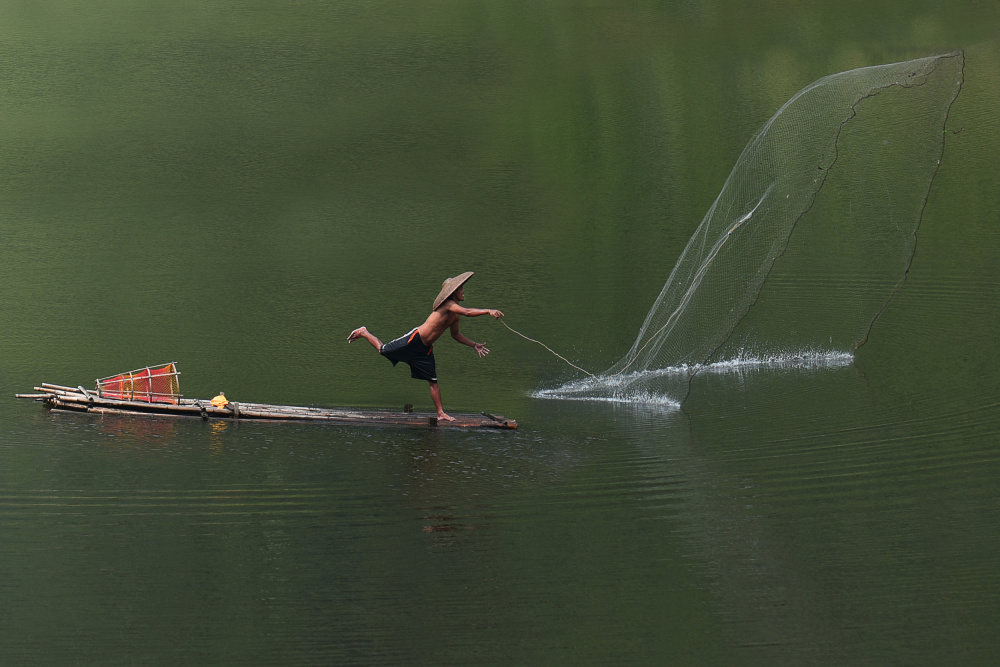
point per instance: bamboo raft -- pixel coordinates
(78, 399)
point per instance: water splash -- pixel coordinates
(660, 386)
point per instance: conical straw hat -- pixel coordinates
(449, 286)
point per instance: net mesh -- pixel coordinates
(151, 385)
(809, 238)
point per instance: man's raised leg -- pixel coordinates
(363, 332)
(436, 397)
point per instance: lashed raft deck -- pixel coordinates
(84, 400)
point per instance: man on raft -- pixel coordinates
(416, 347)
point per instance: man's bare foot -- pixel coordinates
(356, 334)
(446, 417)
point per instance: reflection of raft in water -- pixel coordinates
(155, 391)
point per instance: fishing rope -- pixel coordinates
(548, 348)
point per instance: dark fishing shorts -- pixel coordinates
(411, 349)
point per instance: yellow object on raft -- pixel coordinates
(220, 401)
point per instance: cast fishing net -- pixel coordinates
(810, 237)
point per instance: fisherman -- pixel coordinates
(416, 347)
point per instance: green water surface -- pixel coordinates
(235, 186)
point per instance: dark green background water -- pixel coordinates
(236, 186)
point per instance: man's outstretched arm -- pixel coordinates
(474, 312)
(480, 348)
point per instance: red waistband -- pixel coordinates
(430, 348)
